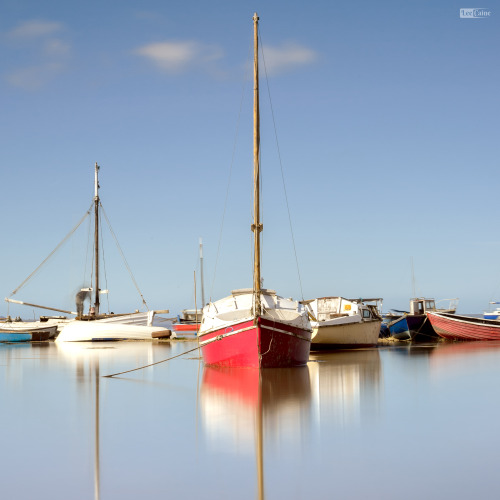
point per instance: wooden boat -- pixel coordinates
(92, 331)
(255, 327)
(144, 318)
(414, 323)
(454, 327)
(34, 329)
(340, 322)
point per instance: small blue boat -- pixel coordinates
(492, 314)
(15, 337)
(414, 323)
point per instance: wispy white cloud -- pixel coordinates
(33, 77)
(56, 47)
(177, 57)
(41, 53)
(288, 56)
(35, 29)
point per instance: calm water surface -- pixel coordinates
(401, 421)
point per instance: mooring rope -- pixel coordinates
(151, 364)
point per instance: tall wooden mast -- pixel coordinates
(201, 276)
(96, 239)
(256, 226)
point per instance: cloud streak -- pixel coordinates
(180, 56)
(35, 29)
(287, 57)
(42, 48)
(177, 57)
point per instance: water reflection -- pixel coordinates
(88, 361)
(450, 357)
(346, 385)
(87, 365)
(244, 410)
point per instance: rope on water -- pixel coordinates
(152, 364)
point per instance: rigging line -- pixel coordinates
(104, 264)
(52, 253)
(281, 167)
(123, 256)
(231, 170)
(86, 254)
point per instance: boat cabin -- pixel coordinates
(420, 306)
(328, 308)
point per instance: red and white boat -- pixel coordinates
(255, 327)
(235, 331)
(453, 327)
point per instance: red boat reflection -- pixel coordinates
(243, 408)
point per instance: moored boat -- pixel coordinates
(454, 327)
(137, 318)
(492, 314)
(34, 329)
(255, 327)
(414, 323)
(340, 322)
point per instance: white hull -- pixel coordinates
(354, 334)
(89, 331)
(139, 318)
(30, 326)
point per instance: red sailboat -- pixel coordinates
(255, 327)
(453, 327)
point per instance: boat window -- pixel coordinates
(366, 313)
(429, 304)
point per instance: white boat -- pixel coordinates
(92, 292)
(91, 331)
(340, 322)
(492, 314)
(45, 329)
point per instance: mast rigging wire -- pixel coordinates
(104, 262)
(53, 251)
(230, 170)
(281, 168)
(123, 257)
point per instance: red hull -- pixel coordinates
(257, 344)
(186, 327)
(454, 327)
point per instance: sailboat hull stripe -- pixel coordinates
(228, 334)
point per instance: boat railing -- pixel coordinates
(448, 304)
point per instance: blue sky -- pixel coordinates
(387, 118)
